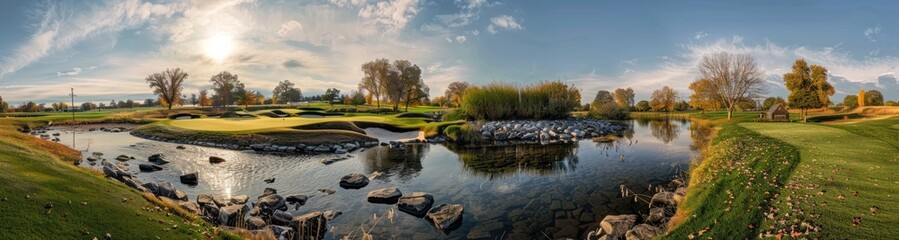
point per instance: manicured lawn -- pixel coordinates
(34, 173)
(738, 176)
(845, 172)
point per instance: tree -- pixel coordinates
(29, 107)
(891, 103)
(602, 97)
(330, 95)
(771, 101)
(873, 98)
(204, 98)
(606, 106)
(642, 106)
(224, 85)
(681, 106)
(417, 93)
(59, 106)
(747, 105)
(193, 99)
(732, 78)
(3, 106)
(375, 73)
(455, 91)
(808, 87)
(87, 106)
(624, 97)
(704, 97)
(861, 98)
(663, 99)
(112, 104)
(167, 85)
(850, 101)
(285, 92)
(440, 101)
(357, 98)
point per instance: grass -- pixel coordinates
(85, 205)
(844, 173)
(730, 187)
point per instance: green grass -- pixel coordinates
(741, 172)
(35, 172)
(839, 161)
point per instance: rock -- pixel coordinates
(255, 223)
(151, 187)
(230, 215)
(166, 189)
(617, 225)
(214, 159)
(446, 217)
(269, 191)
(666, 198)
(281, 232)
(221, 201)
(191, 207)
(210, 212)
(158, 159)
(326, 191)
(643, 231)
(189, 179)
(385, 195)
(240, 199)
(679, 195)
(179, 195)
(656, 214)
(179, 147)
(134, 183)
(92, 159)
(148, 167)
(321, 149)
(299, 199)
(204, 200)
(416, 204)
(282, 218)
(310, 226)
(340, 151)
(331, 214)
(123, 158)
(676, 183)
(354, 181)
(270, 203)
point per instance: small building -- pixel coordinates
(777, 113)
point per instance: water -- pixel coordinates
(557, 190)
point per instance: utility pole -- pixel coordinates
(72, 109)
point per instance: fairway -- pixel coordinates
(842, 175)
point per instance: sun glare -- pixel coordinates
(218, 47)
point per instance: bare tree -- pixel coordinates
(376, 72)
(455, 91)
(732, 77)
(167, 85)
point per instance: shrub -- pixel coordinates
(609, 111)
(455, 115)
(548, 100)
(462, 134)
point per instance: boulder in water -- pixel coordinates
(446, 217)
(385, 195)
(148, 167)
(310, 226)
(214, 159)
(353, 181)
(416, 203)
(189, 179)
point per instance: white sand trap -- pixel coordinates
(385, 135)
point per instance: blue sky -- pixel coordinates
(104, 49)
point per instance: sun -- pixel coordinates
(218, 47)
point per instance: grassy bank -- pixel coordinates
(846, 172)
(84, 204)
(741, 172)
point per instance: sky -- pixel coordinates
(105, 49)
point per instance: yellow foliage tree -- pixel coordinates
(861, 97)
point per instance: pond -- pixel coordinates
(528, 191)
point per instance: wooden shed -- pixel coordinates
(777, 113)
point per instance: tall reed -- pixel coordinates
(496, 101)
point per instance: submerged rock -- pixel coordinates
(269, 203)
(385, 195)
(643, 231)
(331, 214)
(299, 199)
(189, 179)
(148, 167)
(158, 159)
(214, 159)
(446, 217)
(416, 203)
(354, 181)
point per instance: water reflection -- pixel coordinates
(499, 161)
(404, 163)
(665, 130)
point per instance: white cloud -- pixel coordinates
(390, 16)
(475, 32)
(347, 3)
(872, 33)
(700, 35)
(75, 71)
(289, 26)
(503, 22)
(460, 39)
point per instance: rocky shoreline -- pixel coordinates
(546, 131)
(662, 206)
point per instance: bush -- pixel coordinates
(455, 115)
(549, 100)
(609, 111)
(462, 134)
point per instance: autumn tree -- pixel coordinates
(873, 98)
(822, 87)
(286, 92)
(663, 99)
(59, 106)
(808, 87)
(624, 97)
(375, 73)
(732, 78)
(357, 98)
(167, 85)
(850, 101)
(704, 97)
(455, 91)
(417, 93)
(3, 106)
(204, 98)
(87, 106)
(642, 106)
(861, 97)
(606, 106)
(224, 85)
